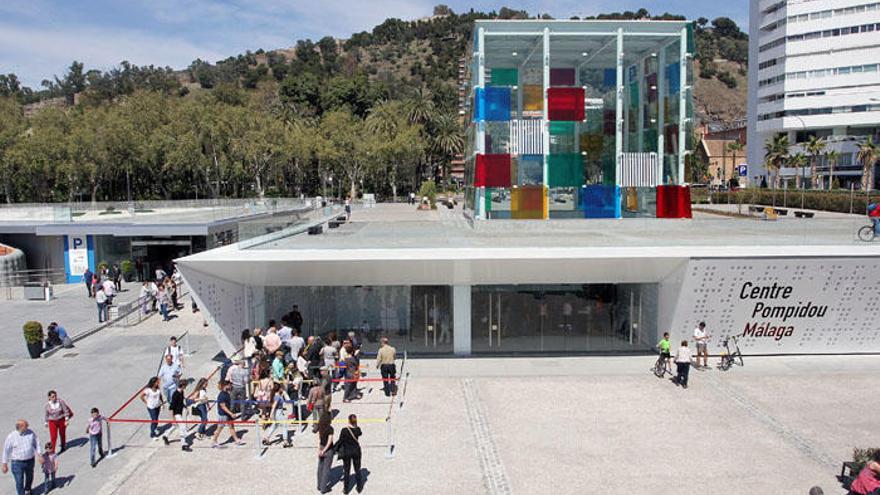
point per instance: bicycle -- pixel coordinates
(661, 367)
(728, 358)
(866, 233)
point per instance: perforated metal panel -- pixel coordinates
(841, 297)
(222, 304)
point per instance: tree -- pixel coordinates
(832, 158)
(12, 128)
(798, 161)
(447, 139)
(867, 155)
(733, 148)
(776, 155)
(814, 146)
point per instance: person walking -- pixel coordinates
(152, 398)
(315, 403)
(325, 451)
(163, 300)
(702, 341)
(225, 415)
(175, 351)
(176, 406)
(101, 301)
(200, 406)
(385, 359)
(278, 398)
(87, 279)
(95, 431)
(169, 373)
(683, 363)
(57, 414)
(144, 297)
(351, 375)
(19, 450)
(50, 468)
(116, 276)
(239, 378)
(348, 448)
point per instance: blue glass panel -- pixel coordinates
(673, 76)
(497, 103)
(601, 201)
(610, 78)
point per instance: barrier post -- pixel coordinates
(389, 435)
(109, 442)
(257, 437)
(188, 352)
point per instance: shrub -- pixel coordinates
(838, 201)
(102, 266)
(127, 268)
(861, 457)
(727, 79)
(33, 332)
(429, 190)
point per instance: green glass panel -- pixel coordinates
(566, 170)
(503, 77)
(561, 127)
(608, 166)
(488, 199)
(691, 39)
(634, 94)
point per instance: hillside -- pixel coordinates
(400, 55)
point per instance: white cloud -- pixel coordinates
(37, 53)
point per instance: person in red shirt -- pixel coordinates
(874, 215)
(868, 480)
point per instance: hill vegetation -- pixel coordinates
(377, 112)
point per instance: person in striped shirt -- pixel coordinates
(20, 450)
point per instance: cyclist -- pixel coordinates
(664, 346)
(874, 215)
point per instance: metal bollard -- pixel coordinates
(259, 439)
(109, 442)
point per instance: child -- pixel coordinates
(95, 431)
(50, 467)
(664, 346)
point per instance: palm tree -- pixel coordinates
(385, 118)
(447, 139)
(868, 152)
(798, 160)
(776, 154)
(831, 157)
(814, 146)
(734, 147)
(420, 107)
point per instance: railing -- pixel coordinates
(19, 278)
(639, 170)
(527, 137)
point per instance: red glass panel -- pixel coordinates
(674, 202)
(492, 171)
(565, 104)
(561, 77)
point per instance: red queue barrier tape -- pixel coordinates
(133, 397)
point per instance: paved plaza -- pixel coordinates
(486, 425)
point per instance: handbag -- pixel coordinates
(194, 411)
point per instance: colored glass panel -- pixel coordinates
(492, 171)
(634, 94)
(673, 202)
(497, 103)
(562, 77)
(528, 202)
(639, 202)
(529, 170)
(691, 39)
(565, 104)
(609, 78)
(651, 81)
(503, 76)
(479, 105)
(673, 78)
(533, 97)
(565, 170)
(561, 127)
(601, 201)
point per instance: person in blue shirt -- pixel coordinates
(168, 375)
(87, 279)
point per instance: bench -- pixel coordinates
(756, 209)
(341, 218)
(334, 224)
(804, 214)
(316, 229)
(781, 211)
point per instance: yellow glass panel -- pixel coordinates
(533, 97)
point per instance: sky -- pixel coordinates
(39, 38)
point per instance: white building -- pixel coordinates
(813, 70)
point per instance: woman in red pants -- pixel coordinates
(58, 413)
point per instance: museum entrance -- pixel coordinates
(564, 318)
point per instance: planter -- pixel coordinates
(35, 349)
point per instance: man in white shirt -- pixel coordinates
(21, 448)
(701, 337)
(296, 344)
(175, 352)
(101, 301)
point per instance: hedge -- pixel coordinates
(838, 201)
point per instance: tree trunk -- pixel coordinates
(94, 194)
(830, 176)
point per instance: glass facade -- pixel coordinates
(563, 318)
(569, 109)
(557, 318)
(415, 318)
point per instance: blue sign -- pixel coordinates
(743, 170)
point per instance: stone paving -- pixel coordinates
(586, 424)
(70, 307)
